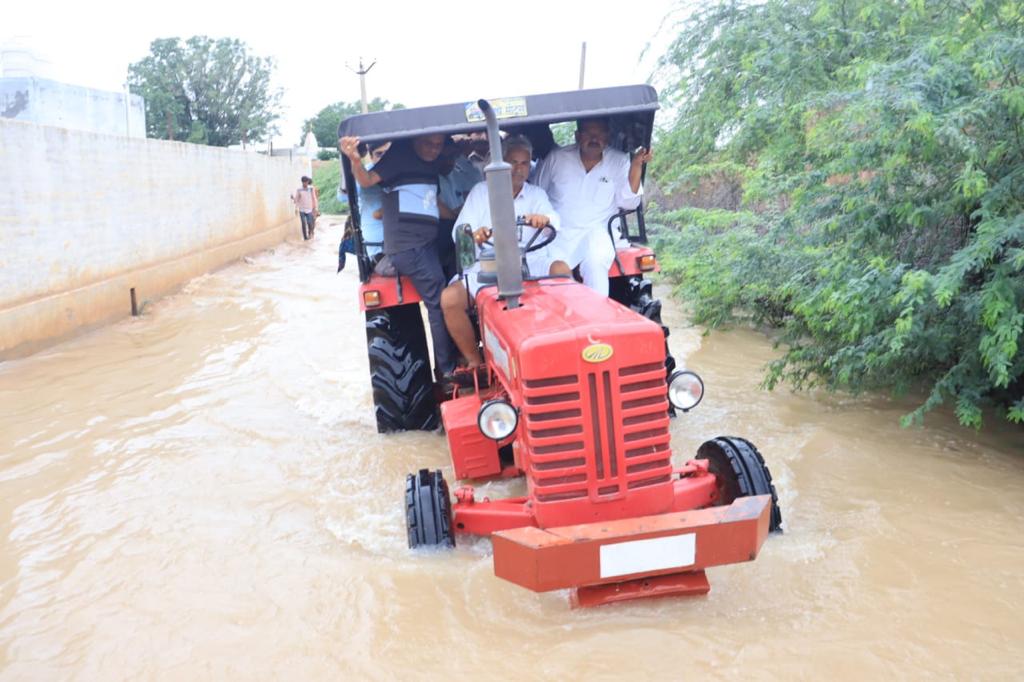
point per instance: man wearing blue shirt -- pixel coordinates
(371, 215)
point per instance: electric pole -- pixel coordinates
(362, 81)
(583, 62)
(128, 105)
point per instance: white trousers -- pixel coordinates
(590, 249)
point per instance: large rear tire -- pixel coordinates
(741, 472)
(403, 389)
(428, 510)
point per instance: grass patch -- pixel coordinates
(327, 177)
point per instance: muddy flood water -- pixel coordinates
(200, 494)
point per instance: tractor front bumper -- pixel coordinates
(647, 556)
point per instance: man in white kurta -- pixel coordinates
(532, 204)
(588, 183)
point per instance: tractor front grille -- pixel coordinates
(600, 434)
(555, 430)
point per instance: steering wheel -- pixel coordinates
(530, 247)
(547, 230)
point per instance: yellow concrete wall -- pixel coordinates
(86, 217)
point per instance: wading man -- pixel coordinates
(305, 200)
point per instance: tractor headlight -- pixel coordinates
(497, 419)
(685, 390)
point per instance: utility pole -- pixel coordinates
(583, 62)
(362, 81)
(127, 108)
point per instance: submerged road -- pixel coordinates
(200, 493)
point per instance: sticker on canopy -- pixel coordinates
(505, 107)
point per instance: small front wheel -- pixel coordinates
(741, 472)
(428, 510)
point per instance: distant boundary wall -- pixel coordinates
(85, 218)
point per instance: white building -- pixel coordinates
(27, 94)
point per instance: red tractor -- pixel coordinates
(576, 397)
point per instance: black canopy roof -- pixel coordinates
(461, 117)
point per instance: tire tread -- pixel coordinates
(743, 472)
(400, 375)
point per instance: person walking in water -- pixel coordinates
(306, 202)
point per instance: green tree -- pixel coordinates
(325, 124)
(206, 91)
(880, 148)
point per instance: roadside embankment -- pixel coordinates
(85, 219)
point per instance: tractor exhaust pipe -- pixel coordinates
(503, 214)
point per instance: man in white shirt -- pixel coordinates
(305, 201)
(588, 183)
(532, 204)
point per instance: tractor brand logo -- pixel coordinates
(597, 352)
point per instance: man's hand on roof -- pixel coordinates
(350, 147)
(641, 156)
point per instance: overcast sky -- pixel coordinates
(426, 52)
